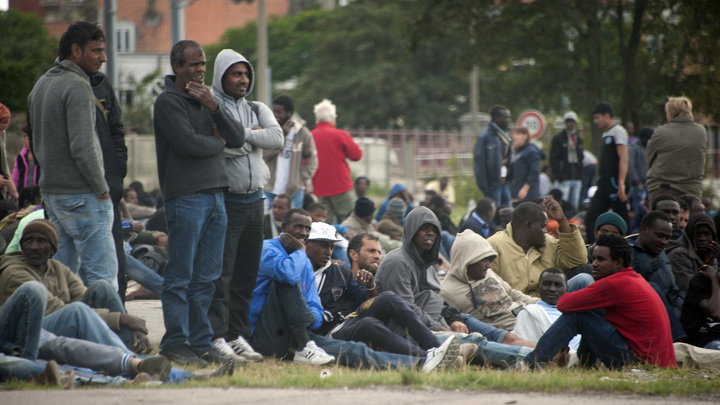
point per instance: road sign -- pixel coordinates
(534, 121)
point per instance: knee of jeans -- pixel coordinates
(579, 282)
(714, 345)
(34, 288)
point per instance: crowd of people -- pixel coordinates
(260, 243)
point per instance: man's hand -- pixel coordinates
(203, 94)
(712, 253)
(161, 239)
(287, 126)
(621, 192)
(553, 209)
(141, 343)
(522, 193)
(459, 327)
(291, 243)
(365, 279)
(708, 272)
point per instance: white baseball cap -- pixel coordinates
(570, 115)
(323, 231)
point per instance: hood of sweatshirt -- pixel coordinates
(225, 59)
(469, 248)
(418, 217)
(396, 189)
(692, 226)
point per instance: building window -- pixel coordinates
(125, 37)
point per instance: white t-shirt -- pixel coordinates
(282, 168)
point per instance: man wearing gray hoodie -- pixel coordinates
(233, 82)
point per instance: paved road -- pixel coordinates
(234, 395)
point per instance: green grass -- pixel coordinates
(641, 380)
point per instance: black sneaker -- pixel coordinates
(184, 355)
(213, 356)
(157, 366)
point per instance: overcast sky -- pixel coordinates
(3, 4)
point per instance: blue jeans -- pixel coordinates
(600, 340)
(18, 368)
(446, 241)
(297, 199)
(489, 352)
(84, 226)
(78, 320)
(144, 275)
(637, 195)
(196, 236)
(500, 194)
(571, 191)
(359, 355)
(490, 332)
(21, 318)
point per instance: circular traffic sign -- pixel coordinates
(534, 121)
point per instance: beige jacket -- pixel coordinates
(522, 270)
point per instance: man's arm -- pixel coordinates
(309, 152)
(270, 136)
(711, 307)
(84, 145)
(117, 132)
(622, 171)
(352, 150)
(594, 296)
(401, 283)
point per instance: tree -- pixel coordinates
(26, 52)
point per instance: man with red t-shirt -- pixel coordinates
(332, 183)
(635, 326)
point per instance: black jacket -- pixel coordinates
(561, 169)
(111, 134)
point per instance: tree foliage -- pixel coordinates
(632, 54)
(26, 52)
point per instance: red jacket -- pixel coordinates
(333, 146)
(634, 309)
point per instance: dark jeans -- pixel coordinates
(605, 198)
(600, 340)
(284, 311)
(117, 233)
(370, 326)
(241, 259)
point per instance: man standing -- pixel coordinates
(108, 122)
(566, 160)
(191, 132)
(613, 166)
(332, 183)
(634, 327)
(295, 164)
(248, 174)
(491, 157)
(62, 119)
(676, 152)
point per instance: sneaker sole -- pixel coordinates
(451, 346)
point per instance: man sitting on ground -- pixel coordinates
(273, 219)
(524, 249)
(635, 325)
(39, 243)
(696, 248)
(481, 219)
(473, 288)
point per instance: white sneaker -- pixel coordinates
(312, 354)
(224, 348)
(443, 356)
(243, 349)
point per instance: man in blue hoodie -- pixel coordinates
(191, 132)
(248, 174)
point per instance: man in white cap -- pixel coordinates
(566, 160)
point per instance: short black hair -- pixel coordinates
(661, 197)
(289, 214)
(81, 33)
(437, 201)
(684, 206)
(28, 194)
(652, 216)
(557, 194)
(496, 110)
(602, 108)
(527, 211)
(357, 242)
(552, 270)
(316, 206)
(357, 180)
(284, 197)
(285, 101)
(178, 51)
(689, 199)
(484, 205)
(617, 245)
